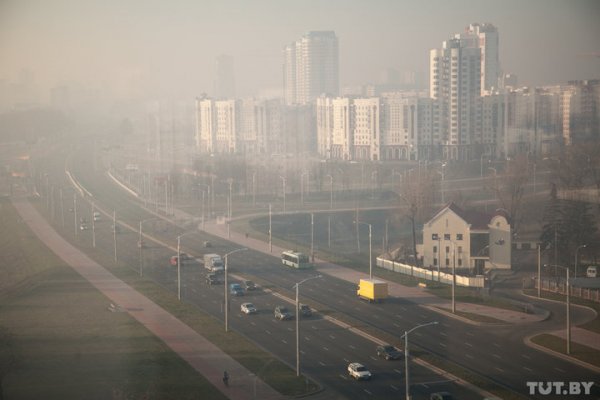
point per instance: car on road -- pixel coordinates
(83, 226)
(213, 279)
(359, 371)
(249, 285)
(440, 396)
(248, 308)
(185, 259)
(388, 352)
(236, 289)
(305, 310)
(97, 216)
(282, 313)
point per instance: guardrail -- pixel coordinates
(430, 274)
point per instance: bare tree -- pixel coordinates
(510, 187)
(417, 193)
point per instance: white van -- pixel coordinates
(592, 271)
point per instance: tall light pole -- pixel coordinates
(442, 185)
(93, 227)
(227, 289)
(370, 247)
(230, 208)
(179, 263)
(330, 192)
(141, 245)
(453, 277)
(62, 207)
(270, 230)
(297, 286)
(312, 237)
(115, 234)
(283, 179)
(577, 258)
(75, 212)
(254, 188)
(568, 290)
(405, 336)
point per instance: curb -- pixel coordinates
(565, 357)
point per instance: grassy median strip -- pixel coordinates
(58, 339)
(578, 351)
(273, 371)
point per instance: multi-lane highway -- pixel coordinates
(497, 353)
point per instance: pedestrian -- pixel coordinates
(246, 235)
(225, 378)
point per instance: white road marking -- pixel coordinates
(322, 363)
(525, 356)
(443, 334)
(469, 356)
(332, 337)
(396, 325)
(499, 369)
(497, 356)
(325, 348)
(352, 347)
(558, 369)
(418, 333)
(307, 338)
(468, 344)
(394, 387)
(399, 316)
(398, 371)
(344, 377)
(284, 342)
(368, 392)
(442, 344)
(528, 369)
(496, 344)
(268, 332)
(470, 334)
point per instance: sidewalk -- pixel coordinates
(201, 354)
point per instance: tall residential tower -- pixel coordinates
(311, 67)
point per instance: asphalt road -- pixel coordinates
(496, 352)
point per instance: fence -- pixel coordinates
(429, 274)
(552, 285)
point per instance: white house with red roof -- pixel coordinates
(467, 240)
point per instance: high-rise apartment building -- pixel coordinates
(225, 77)
(485, 38)
(311, 67)
(455, 82)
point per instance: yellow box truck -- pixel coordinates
(372, 290)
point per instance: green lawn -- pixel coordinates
(578, 351)
(58, 340)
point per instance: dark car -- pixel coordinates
(249, 285)
(389, 352)
(213, 279)
(441, 396)
(282, 313)
(305, 310)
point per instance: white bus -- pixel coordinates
(295, 259)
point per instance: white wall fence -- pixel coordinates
(430, 274)
(552, 285)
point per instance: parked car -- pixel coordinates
(97, 216)
(213, 279)
(440, 396)
(83, 226)
(236, 289)
(305, 310)
(388, 352)
(249, 285)
(248, 308)
(359, 371)
(282, 313)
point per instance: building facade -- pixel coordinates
(311, 67)
(466, 240)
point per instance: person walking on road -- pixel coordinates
(226, 378)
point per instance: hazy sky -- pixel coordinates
(169, 47)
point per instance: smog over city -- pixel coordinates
(319, 199)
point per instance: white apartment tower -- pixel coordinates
(455, 82)
(311, 67)
(485, 38)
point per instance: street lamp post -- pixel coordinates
(453, 277)
(283, 179)
(75, 212)
(370, 247)
(405, 336)
(226, 288)
(568, 290)
(115, 234)
(297, 286)
(577, 258)
(230, 211)
(141, 245)
(179, 263)
(270, 231)
(93, 227)
(330, 192)
(312, 237)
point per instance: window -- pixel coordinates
(435, 261)
(435, 249)
(447, 249)
(459, 249)
(447, 262)
(460, 262)
(446, 236)
(459, 236)
(434, 236)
